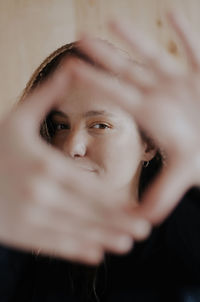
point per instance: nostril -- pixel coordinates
(77, 150)
(76, 146)
(76, 155)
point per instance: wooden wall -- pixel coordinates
(31, 29)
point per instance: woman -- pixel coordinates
(100, 138)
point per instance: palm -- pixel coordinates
(168, 109)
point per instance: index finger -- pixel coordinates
(110, 86)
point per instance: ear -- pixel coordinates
(149, 151)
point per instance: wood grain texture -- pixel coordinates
(31, 29)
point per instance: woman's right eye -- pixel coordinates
(58, 127)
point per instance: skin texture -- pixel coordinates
(163, 98)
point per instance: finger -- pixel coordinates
(39, 102)
(164, 193)
(53, 242)
(188, 39)
(94, 216)
(108, 239)
(59, 244)
(117, 62)
(57, 175)
(51, 203)
(80, 227)
(99, 209)
(74, 250)
(162, 64)
(123, 94)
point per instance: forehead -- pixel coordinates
(82, 100)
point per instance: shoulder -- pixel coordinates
(185, 220)
(13, 265)
(182, 231)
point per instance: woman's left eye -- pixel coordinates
(100, 126)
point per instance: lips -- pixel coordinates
(87, 168)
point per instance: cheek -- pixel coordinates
(99, 150)
(116, 154)
(127, 157)
(124, 163)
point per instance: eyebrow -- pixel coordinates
(87, 114)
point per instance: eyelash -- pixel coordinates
(62, 126)
(65, 126)
(105, 126)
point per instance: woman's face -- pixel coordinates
(100, 138)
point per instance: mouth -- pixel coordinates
(86, 166)
(89, 169)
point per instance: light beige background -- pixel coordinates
(31, 29)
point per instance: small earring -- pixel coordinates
(145, 164)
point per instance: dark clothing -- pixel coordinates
(164, 268)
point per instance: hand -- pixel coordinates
(47, 204)
(163, 98)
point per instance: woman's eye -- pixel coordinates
(100, 126)
(58, 127)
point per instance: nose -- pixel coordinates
(76, 144)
